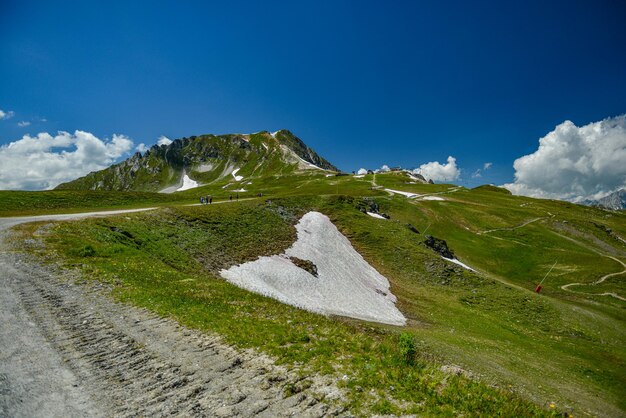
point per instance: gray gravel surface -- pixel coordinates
(68, 350)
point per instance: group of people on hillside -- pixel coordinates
(207, 200)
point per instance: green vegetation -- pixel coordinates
(476, 343)
(18, 203)
(408, 349)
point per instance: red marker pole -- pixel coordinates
(539, 286)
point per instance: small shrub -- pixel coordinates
(86, 251)
(408, 348)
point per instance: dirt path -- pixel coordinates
(68, 350)
(513, 227)
(566, 287)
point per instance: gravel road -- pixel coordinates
(68, 350)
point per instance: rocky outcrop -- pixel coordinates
(439, 246)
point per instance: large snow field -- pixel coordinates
(346, 284)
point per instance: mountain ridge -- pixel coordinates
(613, 201)
(205, 158)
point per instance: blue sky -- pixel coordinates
(364, 83)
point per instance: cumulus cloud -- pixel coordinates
(163, 140)
(361, 171)
(23, 123)
(43, 161)
(575, 163)
(6, 115)
(487, 166)
(141, 148)
(439, 172)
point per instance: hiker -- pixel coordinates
(210, 199)
(231, 197)
(201, 200)
(237, 196)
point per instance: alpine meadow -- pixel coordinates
(312, 209)
(462, 263)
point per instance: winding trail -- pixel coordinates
(566, 287)
(69, 350)
(513, 227)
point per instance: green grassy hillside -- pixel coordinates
(479, 343)
(20, 203)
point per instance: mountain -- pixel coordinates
(205, 159)
(614, 201)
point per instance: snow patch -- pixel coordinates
(375, 215)
(273, 134)
(240, 190)
(309, 164)
(455, 261)
(407, 194)
(329, 175)
(234, 173)
(432, 198)
(346, 284)
(358, 176)
(187, 184)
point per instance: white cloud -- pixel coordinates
(43, 161)
(436, 171)
(477, 173)
(23, 123)
(141, 148)
(361, 171)
(163, 140)
(6, 115)
(575, 163)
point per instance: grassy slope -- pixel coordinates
(558, 346)
(18, 203)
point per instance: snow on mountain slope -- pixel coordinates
(345, 284)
